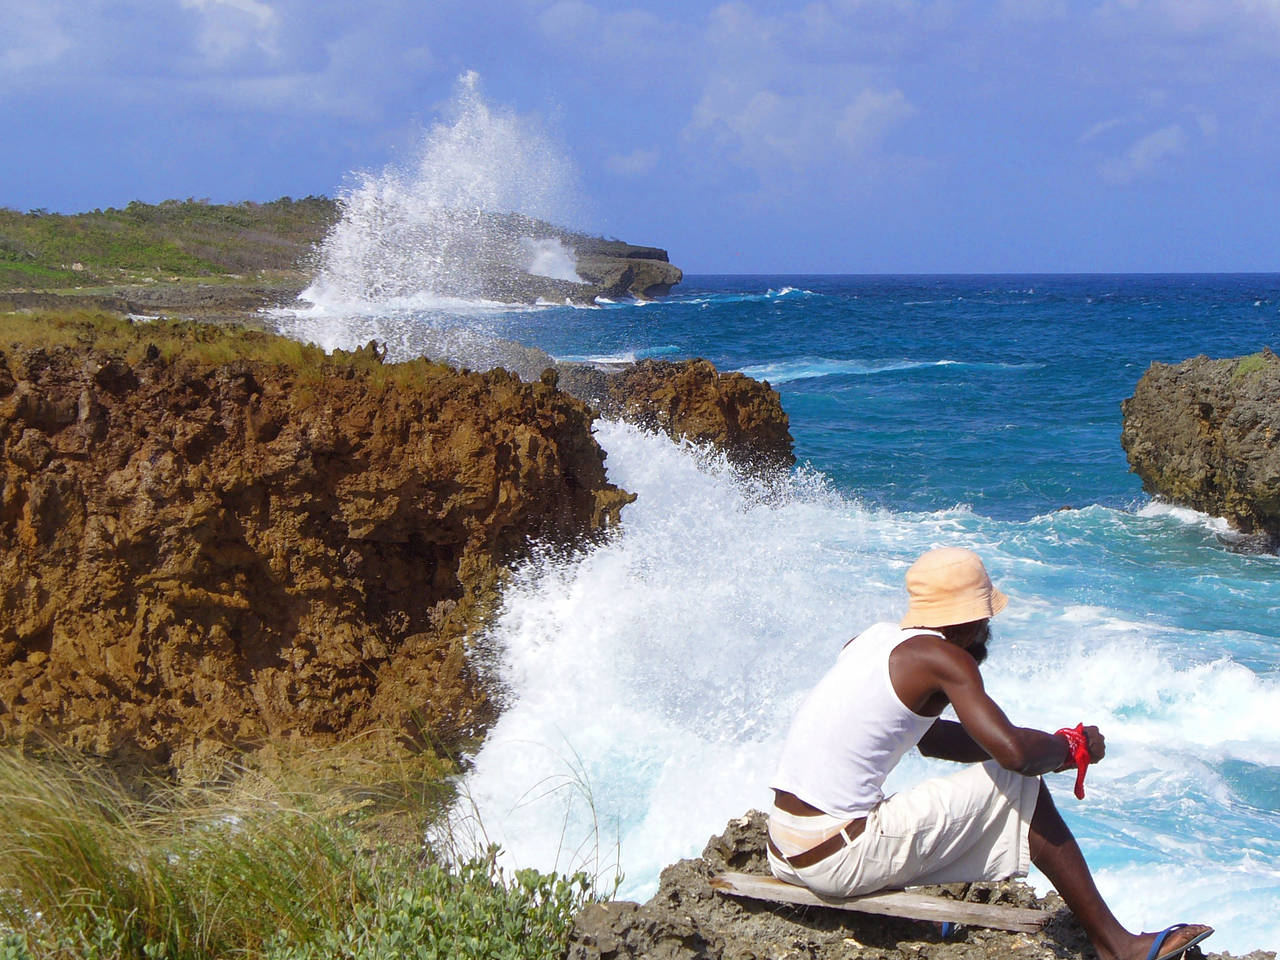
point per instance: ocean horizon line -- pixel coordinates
(689, 275)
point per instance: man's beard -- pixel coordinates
(978, 649)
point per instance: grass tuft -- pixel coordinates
(1252, 364)
(292, 863)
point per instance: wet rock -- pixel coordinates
(691, 399)
(687, 919)
(201, 557)
(1206, 434)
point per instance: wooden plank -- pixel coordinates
(889, 903)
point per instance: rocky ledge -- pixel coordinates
(687, 919)
(692, 400)
(1205, 434)
(216, 539)
(686, 399)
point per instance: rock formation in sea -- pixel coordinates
(205, 550)
(691, 399)
(1205, 434)
(688, 920)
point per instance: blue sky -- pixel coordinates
(845, 136)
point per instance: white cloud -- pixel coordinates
(32, 37)
(232, 29)
(1103, 126)
(1244, 23)
(781, 99)
(1145, 155)
(637, 163)
(866, 120)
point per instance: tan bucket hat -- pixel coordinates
(948, 586)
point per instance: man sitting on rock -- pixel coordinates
(833, 830)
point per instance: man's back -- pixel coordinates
(852, 729)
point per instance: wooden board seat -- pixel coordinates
(889, 903)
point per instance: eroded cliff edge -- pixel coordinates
(688, 920)
(1205, 434)
(216, 538)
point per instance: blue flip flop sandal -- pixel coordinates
(1155, 953)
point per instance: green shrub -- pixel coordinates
(472, 912)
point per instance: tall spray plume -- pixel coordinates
(466, 219)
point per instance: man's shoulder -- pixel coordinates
(929, 649)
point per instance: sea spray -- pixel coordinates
(654, 677)
(464, 211)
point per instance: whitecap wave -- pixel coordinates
(781, 293)
(806, 368)
(1216, 525)
(621, 357)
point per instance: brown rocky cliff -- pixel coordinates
(1206, 434)
(201, 555)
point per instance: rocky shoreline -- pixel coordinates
(688, 920)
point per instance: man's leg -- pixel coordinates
(1055, 851)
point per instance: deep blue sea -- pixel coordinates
(653, 676)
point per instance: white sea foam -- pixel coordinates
(1217, 525)
(661, 669)
(782, 293)
(806, 368)
(625, 356)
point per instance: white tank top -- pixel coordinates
(852, 729)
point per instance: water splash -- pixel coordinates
(661, 668)
(464, 220)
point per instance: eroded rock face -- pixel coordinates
(691, 399)
(199, 557)
(1206, 434)
(687, 919)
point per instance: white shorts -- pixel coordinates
(973, 825)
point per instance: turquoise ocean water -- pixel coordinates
(651, 678)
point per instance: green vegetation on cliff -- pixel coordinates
(145, 242)
(177, 340)
(277, 864)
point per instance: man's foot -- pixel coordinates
(1168, 943)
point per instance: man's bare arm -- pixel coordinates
(948, 740)
(1023, 749)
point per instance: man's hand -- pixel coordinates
(1096, 742)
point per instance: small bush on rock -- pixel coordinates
(472, 912)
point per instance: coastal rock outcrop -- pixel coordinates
(203, 551)
(611, 269)
(620, 269)
(691, 399)
(685, 399)
(1205, 434)
(687, 919)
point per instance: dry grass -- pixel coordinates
(204, 344)
(274, 860)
